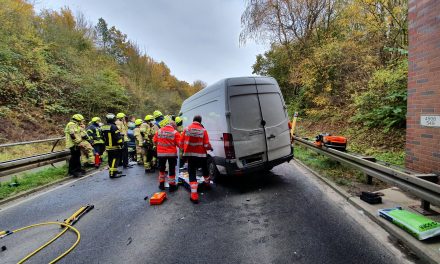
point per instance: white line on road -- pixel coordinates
(38, 194)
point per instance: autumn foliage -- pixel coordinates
(54, 64)
(335, 60)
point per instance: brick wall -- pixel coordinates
(423, 143)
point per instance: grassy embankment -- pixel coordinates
(28, 181)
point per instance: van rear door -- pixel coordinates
(246, 123)
(275, 120)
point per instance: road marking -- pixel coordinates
(38, 194)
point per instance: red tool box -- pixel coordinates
(158, 198)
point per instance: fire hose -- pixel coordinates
(67, 224)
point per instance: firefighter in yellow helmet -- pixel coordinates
(158, 117)
(121, 123)
(179, 124)
(148, 132)
(179, 127)
(139, 139)
(73, 139)
(86, 147)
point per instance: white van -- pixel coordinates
(247, 123)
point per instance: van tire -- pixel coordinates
(267, 170)
(214, 174)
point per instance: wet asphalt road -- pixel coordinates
(280, 217)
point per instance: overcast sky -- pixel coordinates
(197, 39)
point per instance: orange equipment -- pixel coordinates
(329, 141)
(292, 126)
(158, 198)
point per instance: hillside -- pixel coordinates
(54, 64)
(341, 64)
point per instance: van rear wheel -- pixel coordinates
(213, 171)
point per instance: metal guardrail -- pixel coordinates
(409, 181)
(18, 165)
(31, 142)
(27, 163)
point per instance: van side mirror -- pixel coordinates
(227, 113)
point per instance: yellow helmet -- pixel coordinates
(120, 115)
(138, 122)
(164, 122)
(178, 121)
(96, 119)
(157, 113)
(78, 117)
(149, 118)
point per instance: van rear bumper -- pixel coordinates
(233, 169)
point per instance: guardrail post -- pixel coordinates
(369, 179)
(426, 205)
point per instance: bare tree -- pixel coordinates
(284, 21)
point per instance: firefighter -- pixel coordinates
(86, 147)
(166, 140)
(113, 144)
(73, 139)
(158, 117)
(94, 132)
(139, 140)
(179, 127)
(179, 124)
(123, 128)
(131, 144)
(195, 142)
(147, 133)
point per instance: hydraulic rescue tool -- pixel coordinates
(78, 214)
(329, 141)
(67, 224)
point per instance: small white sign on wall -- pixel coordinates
(430, 121)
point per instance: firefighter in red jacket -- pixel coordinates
(166, 140)
(195, 142)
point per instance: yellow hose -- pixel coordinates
(67, 227)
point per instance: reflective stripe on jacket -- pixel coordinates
(112, 136)
(123, 129)
(72, 128)
(167, 139)
(138, 136)
(195, 141)
(94, 131)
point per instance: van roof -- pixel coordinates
(234, 81)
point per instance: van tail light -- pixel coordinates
(228, 142)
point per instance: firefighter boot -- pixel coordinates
(162, 180)
(206, 185)
(194, 195)
(172, 183)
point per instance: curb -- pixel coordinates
(407, 242)
(42, 187)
